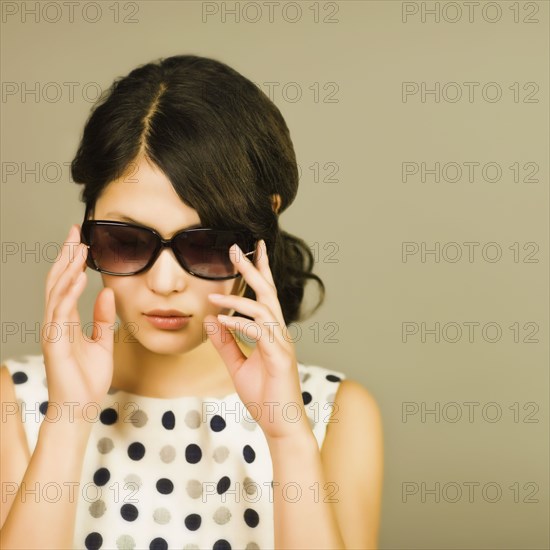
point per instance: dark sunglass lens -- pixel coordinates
(121, 249)
(206, 252)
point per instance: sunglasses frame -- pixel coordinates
(160, 245)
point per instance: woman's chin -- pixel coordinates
(167, 342)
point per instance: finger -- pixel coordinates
(63, 293)
(64, 283)
(263, 262)
(269, 345)
(70, 332)
(66, 256)
(265, 290)
(69, 268)
(60, 261)
(104, 319)
(261, 313)
(225, 343)
(246, 326)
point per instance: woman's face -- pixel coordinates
(149, 199)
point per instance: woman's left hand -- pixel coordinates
(268, 379)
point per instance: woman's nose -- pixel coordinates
(166, 275)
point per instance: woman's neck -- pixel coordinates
(200, 371)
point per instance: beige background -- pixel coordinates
(356, 224)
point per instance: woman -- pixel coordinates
(164, 430)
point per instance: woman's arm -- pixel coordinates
(42, 513)
(303, 514)
(14, 449)
(333, 497)
(78, 372)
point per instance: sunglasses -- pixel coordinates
(119, 248)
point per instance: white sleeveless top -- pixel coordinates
(186, 472)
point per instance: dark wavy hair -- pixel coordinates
(221, 142)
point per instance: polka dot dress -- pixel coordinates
(186, 472)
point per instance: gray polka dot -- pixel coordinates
(97, 508)
(248, 423)
(105, 445)
(194, 488)
(220, 454)
(161, 515)
(250, 486)
(193, 419)
(138, 418)
(132, 480)
(125, 542)
(222, 515)
(252, 546)
(167, 453)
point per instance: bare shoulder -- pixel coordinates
(352, 394)
(356, 411)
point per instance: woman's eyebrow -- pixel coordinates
(131, 220)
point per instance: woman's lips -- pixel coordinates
(170, 323)
(166, 313)
(170, 319)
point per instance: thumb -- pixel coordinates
(224, 341)
(104, 317)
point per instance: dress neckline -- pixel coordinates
(113, 392)
(229, 396)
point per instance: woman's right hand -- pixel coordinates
(79, 369)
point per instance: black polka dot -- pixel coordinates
(306, 396)
(168, 420)
(43, 407)
(249, 454)
(129, 512)
(193, 453)
(217, 423)
(251, 517)
(193, 522)
(93, 541)
(108, 416)
(221, 544)
(165, 486)
(158, 544)
(102, 476)
(223, 485)
(19, 377)
(333, 378)
(136, 451)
